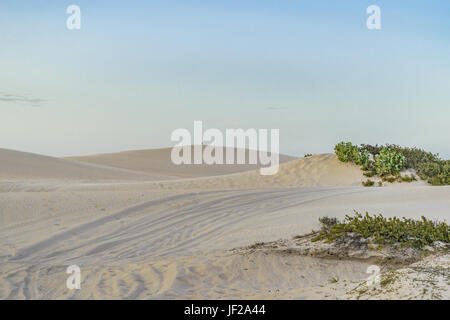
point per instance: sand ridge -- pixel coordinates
(159, 161)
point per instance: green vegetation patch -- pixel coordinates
(379, 230)
(389, 160)
(436, 173)
(347, 152)
(368, 183)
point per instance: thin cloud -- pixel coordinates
(276, 108)
(23, 99)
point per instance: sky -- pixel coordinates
(138, 70)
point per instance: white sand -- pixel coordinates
(138, 238)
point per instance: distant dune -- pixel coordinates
(155, 165)
(158, 161)
(23, 165)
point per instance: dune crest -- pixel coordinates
(159, 161)
(323, 170)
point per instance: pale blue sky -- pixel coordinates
(137, 70)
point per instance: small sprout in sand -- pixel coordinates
(390, 179)
(388, 278)
(368, 183)
(333, 280)
(328, 222)
(369, 174)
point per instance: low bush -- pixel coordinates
(407, 178)
(328, 222)
(363, 158)
(393, 231)
(390, 179)
(347, 152)
(369, 166)
(369, 174)
(414, 156)
(368, 183)
(389, 162)
(373, 150)
(436, 173)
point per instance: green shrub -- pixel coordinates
(436, 173)
(363, 158)
(369, 169)
(390, 159)
(308, 155)
(394, 231)
(369, 174)
(429, 166)
(347, 152)
(390, 179)
(389, 162)
(430, 169)
(368, 183)
(414, 156)
(328, 222)
(373, 150)
(407, 178)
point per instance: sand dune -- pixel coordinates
(174, 239)
(317, 171)
(29, 166)
(157, 161)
